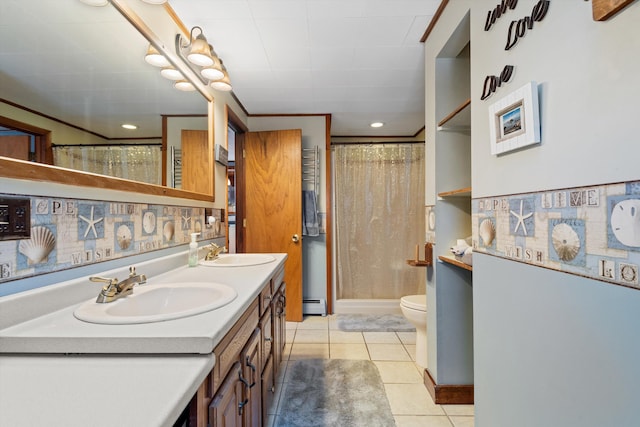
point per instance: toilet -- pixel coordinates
(414, 308)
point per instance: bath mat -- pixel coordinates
(334, 392)
(374, 323)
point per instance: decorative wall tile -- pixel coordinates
(590, 231)
(67, 233)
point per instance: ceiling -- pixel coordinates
(359, 60)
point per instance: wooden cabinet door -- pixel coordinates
(225, 409)
(279, 325)
(251, 362)
(268, 388)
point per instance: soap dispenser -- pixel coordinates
(193, 250)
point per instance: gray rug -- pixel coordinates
(334, 392)
(374, 323)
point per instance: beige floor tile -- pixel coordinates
(422, 421)
(388, 352)
(407, 337)
(333, 322)
(342, 337)
(411, 349)
(348, 351)
(317, 336)
(461, 421)
(381, 338)
(292, 325)
(314, 322)
(459, 409)
(309, 351)
(411, 399)
(290, 335)
(398, 372)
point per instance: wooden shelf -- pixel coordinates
(459, 118)
(461, 192)
(451, 260)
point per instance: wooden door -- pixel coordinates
(197, 170)
(272, 211)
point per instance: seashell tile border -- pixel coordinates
(68, 233)
(588, 231)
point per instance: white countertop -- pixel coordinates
(57, 370)
(98, 391)
(61, 332)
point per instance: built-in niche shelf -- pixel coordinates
(451, 260)
(458, 119)
(461, 192)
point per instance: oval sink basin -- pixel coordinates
(238, 260)
(156, 303)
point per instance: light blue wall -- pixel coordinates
(551, 348)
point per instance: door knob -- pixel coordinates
(295, 238)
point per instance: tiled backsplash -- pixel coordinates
(589, 231)
(67, 233)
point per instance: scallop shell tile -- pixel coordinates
(39, 246)
(168, 230)
(487, 231)
(566, 241)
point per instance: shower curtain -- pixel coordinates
(141, 163)
(379, 219)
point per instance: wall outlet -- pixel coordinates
(15, 218)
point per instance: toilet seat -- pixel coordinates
(414, 302)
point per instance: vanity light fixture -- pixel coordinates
(171, 73)
(223, 84)
(214, 71)
(184, 86)
(199, 55)
(154, 58)
(376, 124)
(199, 50)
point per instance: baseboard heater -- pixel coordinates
(314, 306)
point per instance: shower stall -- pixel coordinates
(379, 219)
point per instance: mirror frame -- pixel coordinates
(18, 169)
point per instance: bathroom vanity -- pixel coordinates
(215, 368)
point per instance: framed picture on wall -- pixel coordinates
(515, 120)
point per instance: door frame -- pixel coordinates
(233, 121)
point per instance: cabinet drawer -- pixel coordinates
(228, 351)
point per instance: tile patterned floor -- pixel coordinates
(394, 355)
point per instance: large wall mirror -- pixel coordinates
(78, 72)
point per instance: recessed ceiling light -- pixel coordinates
(129, 126)
(376, 124)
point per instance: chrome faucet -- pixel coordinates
(114, 289)
(214, 251)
